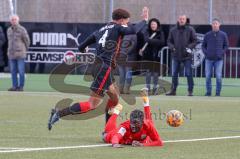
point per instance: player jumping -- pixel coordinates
(138, 131)
(108, 40)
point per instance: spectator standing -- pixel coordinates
(155, 43)
(127, 59)
(18, 43)
(214, 46)
(181, 40)
(128, 53)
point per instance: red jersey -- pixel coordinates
(148, 134)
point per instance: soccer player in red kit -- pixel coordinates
(107, 40)
(138, 131)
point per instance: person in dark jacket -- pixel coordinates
(214, 46)
(150, 53)
(2, 42)
(127, 56)
(128, 53)
(181, 41)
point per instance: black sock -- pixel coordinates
(107, 116)
(74, 109)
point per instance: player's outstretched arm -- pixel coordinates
(116, 139)
(154, 136)
(90, 40)
(133, 29)
(146, 105)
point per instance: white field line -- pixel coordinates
(161, 97)
(203, 139)
(53, 148)
(12, 150)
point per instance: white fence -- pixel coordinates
(230, 67)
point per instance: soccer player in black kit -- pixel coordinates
(108, 41)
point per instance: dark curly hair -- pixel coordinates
(120, 14)
(154, 20)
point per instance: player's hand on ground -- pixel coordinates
(117, 146)
(145, 13)
(136, 143)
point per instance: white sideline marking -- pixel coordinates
(12, 150)
(53, 148)
(203, 139)
(162, 97)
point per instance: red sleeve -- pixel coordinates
(119, 135)
(147, 113)
(116, 138)
(154, 136)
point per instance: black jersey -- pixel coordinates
(108, 40)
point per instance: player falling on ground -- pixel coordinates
(108, 40)
(138, 131)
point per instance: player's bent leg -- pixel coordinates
(113, 100)
(94, 100)
(113, 95)
(111, 125)
(82, 107)
(112, 122)
(76, 108)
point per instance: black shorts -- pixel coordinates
(103, 78)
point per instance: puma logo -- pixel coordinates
(75, 39)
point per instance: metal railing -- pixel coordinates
(230, 67)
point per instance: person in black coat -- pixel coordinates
(181, 40)
(150, 53)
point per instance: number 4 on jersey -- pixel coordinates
(102, 40)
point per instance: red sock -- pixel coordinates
(84, 107)
(112, 123)
(111, 103)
